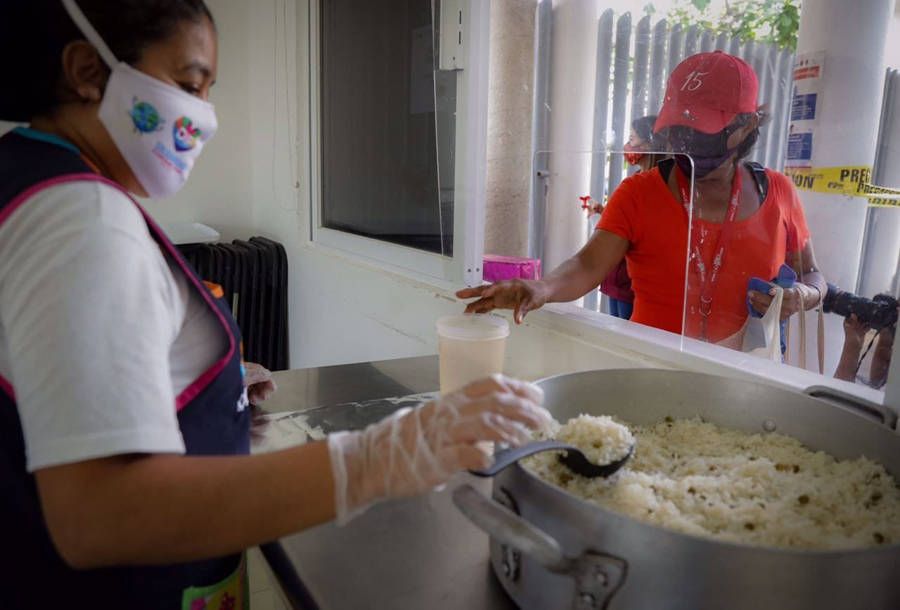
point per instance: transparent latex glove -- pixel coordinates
(415, 450)
(258, 380)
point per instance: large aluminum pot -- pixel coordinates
(563, 552)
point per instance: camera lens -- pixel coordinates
(876, 313)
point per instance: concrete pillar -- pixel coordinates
(852, 36)
(572, 106)
(509, 127)
(881, 250)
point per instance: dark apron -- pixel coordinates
(213, 416)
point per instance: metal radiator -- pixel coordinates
(253, 276)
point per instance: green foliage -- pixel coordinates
(771, 21)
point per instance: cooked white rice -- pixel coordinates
(601, 439)
(765, 489)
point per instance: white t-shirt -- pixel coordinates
(99, 331)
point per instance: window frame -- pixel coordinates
(470, 153)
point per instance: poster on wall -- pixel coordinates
(806, 108)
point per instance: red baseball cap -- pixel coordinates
(706, 91)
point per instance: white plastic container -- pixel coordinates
(470, 347)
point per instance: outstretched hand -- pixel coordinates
(521, 296)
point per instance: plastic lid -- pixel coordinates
(473, 327)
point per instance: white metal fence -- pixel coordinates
(634, 62)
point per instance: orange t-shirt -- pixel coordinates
(644, 211)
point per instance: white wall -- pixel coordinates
(892, 48)
(220, 191)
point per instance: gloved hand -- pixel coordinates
(258, 380)
(415, 450)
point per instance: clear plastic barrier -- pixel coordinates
(743, 255)
(795, 256)
(627, 194)
(797, 266)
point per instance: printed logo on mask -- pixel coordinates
(145, 117)
(185, 134)
(160, 165)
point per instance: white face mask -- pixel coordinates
(159, 129)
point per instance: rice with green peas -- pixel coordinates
(697, 478)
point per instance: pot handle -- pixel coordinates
(510, 529)
(597, 576)
(881, 414)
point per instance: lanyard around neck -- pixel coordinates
(709, 277)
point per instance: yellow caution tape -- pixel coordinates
(882, 196)
(851, 181)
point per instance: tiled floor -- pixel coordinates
(265, 593)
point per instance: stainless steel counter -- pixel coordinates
(305, 389)
(403, 555)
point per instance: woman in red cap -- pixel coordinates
(746, 221)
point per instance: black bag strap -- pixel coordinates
(761, 178)
(759, 175)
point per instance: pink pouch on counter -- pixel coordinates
(498, 268)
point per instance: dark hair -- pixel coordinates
(33, 34)
(745, 147)
(643, 127)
